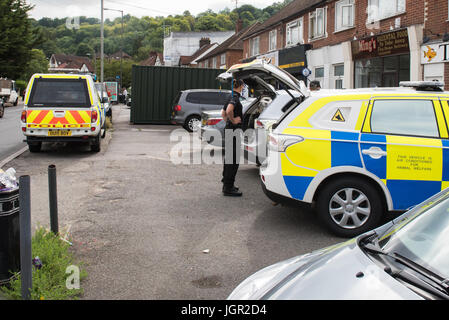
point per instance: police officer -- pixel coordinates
(232, 113)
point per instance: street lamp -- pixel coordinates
(121, 45)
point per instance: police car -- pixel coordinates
(63, 108)
(357, 154)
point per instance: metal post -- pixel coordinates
(53, 199)
(25, 237)
(102, 45)
(121, 55)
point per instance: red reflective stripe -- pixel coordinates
(76, 115)
(41, 116)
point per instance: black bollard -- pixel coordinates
(25, 237)
(53, 199)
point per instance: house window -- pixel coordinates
(273, 39)
(319, 75)
(294, 31)
(206, 63)
(214, 62)
(344, 15)
(317, 23)
(223, 59)
(381, 9)
(254, 46)
(339, 72)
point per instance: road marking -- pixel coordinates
(13, 156)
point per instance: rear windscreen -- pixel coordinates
(59, 92)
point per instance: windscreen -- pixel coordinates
(59, 92)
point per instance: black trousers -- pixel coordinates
(231, 161)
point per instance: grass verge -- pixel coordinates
(50, 281)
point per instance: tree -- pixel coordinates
(84, 50)
(16, 37)
(38, 63)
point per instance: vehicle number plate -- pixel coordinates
(59, 133)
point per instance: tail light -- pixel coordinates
(258, 125)
(177, 108)
(94, 116)
(280, 142)
(212, 122)
(24, 116)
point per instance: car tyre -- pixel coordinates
(192, 123)
(2, 111)
(96, 144)
(350, 206)
(103, 135)
(35, 147)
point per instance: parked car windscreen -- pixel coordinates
(59, 92)
(423, 238)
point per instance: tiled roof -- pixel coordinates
(72, 62)
(233, 43)
(151, 60)
(186, 60)
(289, 11)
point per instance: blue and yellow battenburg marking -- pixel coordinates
(413, 169)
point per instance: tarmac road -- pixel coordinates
(11, 136)
(141, 223)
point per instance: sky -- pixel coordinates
(138, 8)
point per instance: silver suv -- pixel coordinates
(189, 104)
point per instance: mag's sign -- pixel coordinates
(435, 53)
(386, 44)
(112, 88)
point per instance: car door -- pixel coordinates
(401, 143)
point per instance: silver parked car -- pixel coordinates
(212, 124)
(189, 104)
(407, 258)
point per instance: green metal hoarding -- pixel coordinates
(154, 89)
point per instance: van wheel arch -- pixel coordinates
(350, 204)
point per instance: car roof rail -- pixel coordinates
(423, 85)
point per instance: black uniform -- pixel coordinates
(230, 167)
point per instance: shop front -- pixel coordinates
(434, 56)
(381, 60)
(294, 61)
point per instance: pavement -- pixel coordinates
(147, 228)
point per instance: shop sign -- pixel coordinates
(435, 53)
(293, 59)
(386, 44)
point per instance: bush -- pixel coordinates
(49, 282)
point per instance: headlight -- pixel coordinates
(257, 284)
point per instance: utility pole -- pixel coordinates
(121, 46)
(102, 47)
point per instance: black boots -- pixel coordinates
(231, 192)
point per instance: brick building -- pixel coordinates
(356, 43)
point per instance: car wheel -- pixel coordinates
(96, 144)
(192, 123)
(350, 206)
(35, 147)
(2, 111)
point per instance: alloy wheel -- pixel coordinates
(349, 208)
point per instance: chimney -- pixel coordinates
(239, 26)
(204, 42)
